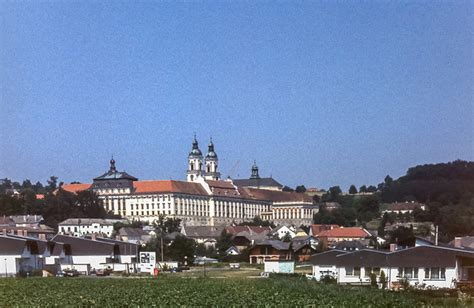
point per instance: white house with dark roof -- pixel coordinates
(422, 266)
(89, 254)
(17, 254)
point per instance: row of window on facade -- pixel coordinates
(431, 273)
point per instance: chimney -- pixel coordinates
(42, 236)
(25, 233)
(19, 232)
(93, 236)
(393, 247)
(4, 232)
(117, 237)
(458, 242)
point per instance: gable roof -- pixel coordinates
(421, 256)
(130, 231)
(350, 232)
(326, 257)
(87, 247)
(466, 242)
(16, 245)
(278, 245)
(317, 228)
(126, 248)
(202, 231)
(27, 219)
(6, 221)
(250, 229)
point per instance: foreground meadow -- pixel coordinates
(179, 290)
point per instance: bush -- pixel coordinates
(328, 279)
(373, 280)
(383, 280)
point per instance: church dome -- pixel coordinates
(195, 150)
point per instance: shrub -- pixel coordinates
(328, 279)
(383, 280)
(373, 280)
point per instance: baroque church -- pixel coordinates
(203, 199)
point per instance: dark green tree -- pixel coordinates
(352, 190)
(300, 189)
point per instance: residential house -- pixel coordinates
(315, 229)
(270, 250)
(206, 235)
(351, 245)
(43, 232)
(303, 247)
(30, 221)
(422, 266)
(403, 207)
(89, 254)
(87, 226)
(329, 206)
(331, 237)
(281, 231)
(134, 235)
(6, 221)
(127, 259)
(463, 242)
(17, 254)
(245, 236)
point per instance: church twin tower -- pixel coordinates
(195, 167)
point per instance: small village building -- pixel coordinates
(403, 207)
(206, 235)
(90, 254)
(422, 266)
(29, 221)
(279, 266)
(333, 236)
(270, 250)
(86, 226)
(134, 235)
(315, 229)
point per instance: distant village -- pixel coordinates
(255, 220)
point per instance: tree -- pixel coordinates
(286, 188)
(182, 249)
(223, 242)
(52, 184)
(363, 189)
(300, 189)
(371, 189)
(352, 190)
(388, 180)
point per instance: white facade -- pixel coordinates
(81, 227)
(296, 213)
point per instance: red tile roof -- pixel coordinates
(75, 188)
(168, 186)
(39, 196)
(351, 232)
(316, 229)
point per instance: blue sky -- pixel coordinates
(320, 93)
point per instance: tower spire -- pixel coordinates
(112, 165)
(254, 174)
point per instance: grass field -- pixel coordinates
(192, 290)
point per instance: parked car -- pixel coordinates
(70, 273)
(103, 272)
(234, 265)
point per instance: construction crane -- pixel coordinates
(234, 167)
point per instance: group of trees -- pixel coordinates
(447, 189)
(56, 206)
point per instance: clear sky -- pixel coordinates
(319, 93)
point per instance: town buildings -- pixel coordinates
(204, 199)
(87, 226)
